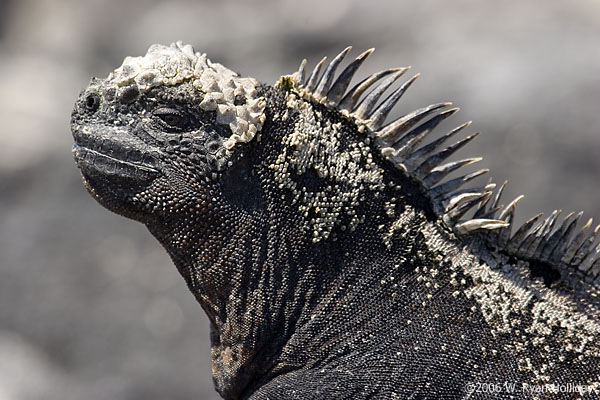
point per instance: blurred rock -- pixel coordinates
(90, 305)
(26, 372)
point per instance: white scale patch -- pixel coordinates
(315, 145)
(170, 65)
(513, 305)
(398, 225)
(525, 310)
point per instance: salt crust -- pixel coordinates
(177, 63)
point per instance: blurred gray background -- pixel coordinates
(90, 305)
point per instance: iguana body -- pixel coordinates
(330, 260)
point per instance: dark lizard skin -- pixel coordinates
(331, 262)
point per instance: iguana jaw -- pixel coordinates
(96, 153)
(115, 166)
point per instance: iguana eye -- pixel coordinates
(171, 118)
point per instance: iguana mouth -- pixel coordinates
(108, 164)
(103, 156)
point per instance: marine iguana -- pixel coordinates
(331, 253)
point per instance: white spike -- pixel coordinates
(452, 216)
(444, 200)
(462, 198)
(300, 72)
(510, 206)
(477, 224)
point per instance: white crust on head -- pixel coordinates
(171, 65)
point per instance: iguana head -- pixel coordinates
(160, 128)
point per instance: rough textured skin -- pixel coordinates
(328, 258)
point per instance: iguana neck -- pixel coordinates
(258, 285)
(243, 272)
(214, 259)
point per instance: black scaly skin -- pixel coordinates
(346, 317)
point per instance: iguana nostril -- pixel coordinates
(92, 102)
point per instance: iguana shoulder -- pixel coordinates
(334, 253)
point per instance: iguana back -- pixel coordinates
(330, 250)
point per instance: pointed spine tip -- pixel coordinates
(366, 53)
(301, 71)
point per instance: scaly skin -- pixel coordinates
(324, 268)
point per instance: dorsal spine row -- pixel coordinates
(537, 239)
